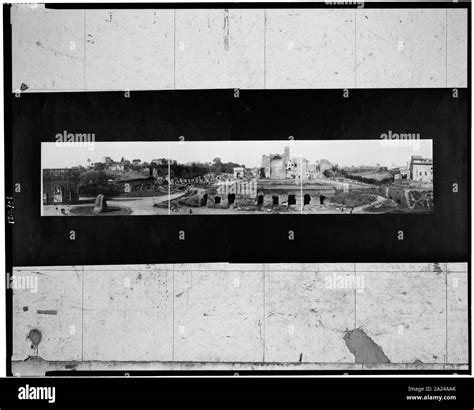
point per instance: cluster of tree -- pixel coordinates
(93, 178)
(382, 181)
(188, 171)
(197, 169)
(179, 170)
(96, 182)
(99, 166)
(335, 171)
(220, 167)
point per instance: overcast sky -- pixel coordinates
(249, 153)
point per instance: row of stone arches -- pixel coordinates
(291, 200)
(59, 195)
(218, 199)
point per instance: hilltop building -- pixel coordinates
(421, 169)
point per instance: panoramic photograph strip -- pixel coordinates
(90, 178)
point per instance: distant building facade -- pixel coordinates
(421, 169)
(116, 167)
(239, 172)
(401, 173)
(282, 166)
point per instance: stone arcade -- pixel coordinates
(60, 186)
(289, 192)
